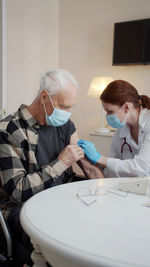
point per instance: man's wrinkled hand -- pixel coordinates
(71, 154)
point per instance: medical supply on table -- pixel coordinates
(147, 204)
(86, 195)
(137, 185)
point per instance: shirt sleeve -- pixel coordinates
(68, 130)
(72, 128)
(138, 166)
(19, 174)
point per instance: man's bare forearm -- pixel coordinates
(90, 170)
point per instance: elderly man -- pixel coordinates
(38, 145)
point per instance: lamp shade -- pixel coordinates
(97, 86)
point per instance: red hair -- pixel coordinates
(119, 92)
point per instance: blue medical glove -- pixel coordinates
(89, 150)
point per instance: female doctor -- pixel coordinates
(129, 113)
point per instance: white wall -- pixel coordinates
(32, 37)
(86, 43)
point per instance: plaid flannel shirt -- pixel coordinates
(20, 175)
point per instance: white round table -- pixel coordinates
(113, 231)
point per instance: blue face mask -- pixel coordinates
(58, 117)
(114, 121)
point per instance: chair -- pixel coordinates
(6, 258)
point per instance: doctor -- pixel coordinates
(129, 113)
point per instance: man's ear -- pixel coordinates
(43, 96)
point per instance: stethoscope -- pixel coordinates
(125, 143)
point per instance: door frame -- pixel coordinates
(3, 58)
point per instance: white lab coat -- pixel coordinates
(137, 162)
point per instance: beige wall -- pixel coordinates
(86, 42)
(32, 47)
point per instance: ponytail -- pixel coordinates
(144, 101)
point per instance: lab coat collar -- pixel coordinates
(143, 117)
(125, 130)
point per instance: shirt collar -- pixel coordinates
(143, 117)
(125, 131)
(27, 116)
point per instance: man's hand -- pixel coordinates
(71, 154)
(90, 170)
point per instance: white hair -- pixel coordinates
(57, 80)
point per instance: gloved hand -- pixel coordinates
(89, 150)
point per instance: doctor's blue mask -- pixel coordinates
(58, 117)
(114, 121)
